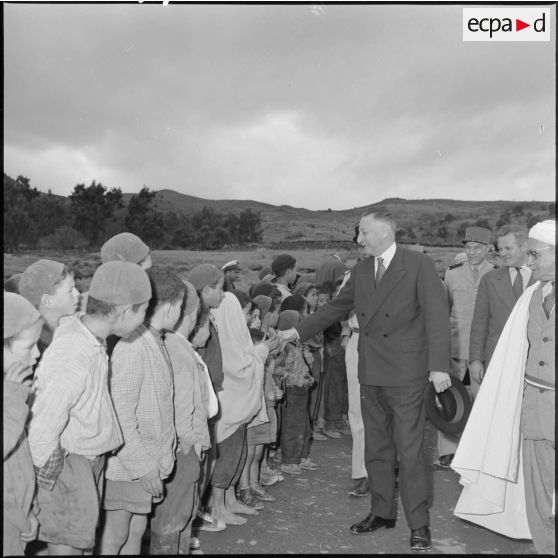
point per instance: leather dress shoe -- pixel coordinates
(420, 539)
(371, 523)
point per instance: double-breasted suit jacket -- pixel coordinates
(493, 306)
(403, 322)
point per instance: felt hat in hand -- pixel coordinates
(449, 410)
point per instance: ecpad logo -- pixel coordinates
(506, 24)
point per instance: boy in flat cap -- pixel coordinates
(49, 286)
(126, 247)
(22, 327)
(123, 247)
(73, 422)
(461, 285)
(194, 402)
(208, 280)
(232, 274)
(141, 386)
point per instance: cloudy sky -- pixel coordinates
(310, 106)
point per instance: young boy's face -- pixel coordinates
(212, 296)
(65, 299)
(23, 348)
(311, 298)
(323, 299)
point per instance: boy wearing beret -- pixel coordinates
(50, 287)
(22, 327)
(208, 280)
(141, 386)
(73, 422)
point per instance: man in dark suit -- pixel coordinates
(497, 294)
(404, 342)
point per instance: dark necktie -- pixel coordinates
(548, 301)
(380, 271)
(517, 283)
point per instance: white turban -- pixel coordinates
(545, 232)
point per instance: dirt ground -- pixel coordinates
(313, 512)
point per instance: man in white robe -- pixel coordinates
(506, 455)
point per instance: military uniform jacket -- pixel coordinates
(403, 323)
(461, 292)
(494, 303)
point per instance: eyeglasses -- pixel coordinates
(475, 248)
(535, 253)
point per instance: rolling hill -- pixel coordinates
(288, 224)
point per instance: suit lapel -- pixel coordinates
(391, 277)
(504, 288)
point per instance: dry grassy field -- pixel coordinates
(183, 260)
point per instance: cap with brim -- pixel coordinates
(124, 247)
(449, 410)
(230, 266)
(204, 274)
(477, 234)
(39, 279)
(264, 304)
(288, 319)
(19, 314)
(120, 283)
(192, 299)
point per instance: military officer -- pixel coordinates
(461, 283)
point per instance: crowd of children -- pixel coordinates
(157, 399)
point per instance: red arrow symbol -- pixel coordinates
(519, 25)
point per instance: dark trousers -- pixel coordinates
(336, 395)
(231, 457)
(171, 523)
(208, 463)
(394, 420)
(296, 431)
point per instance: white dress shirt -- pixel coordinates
(386, 256)
(525, 274)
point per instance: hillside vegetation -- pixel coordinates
(166, 219)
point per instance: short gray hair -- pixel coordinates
(381, 214)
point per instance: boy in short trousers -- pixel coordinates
(141, 386)
(73, 422)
